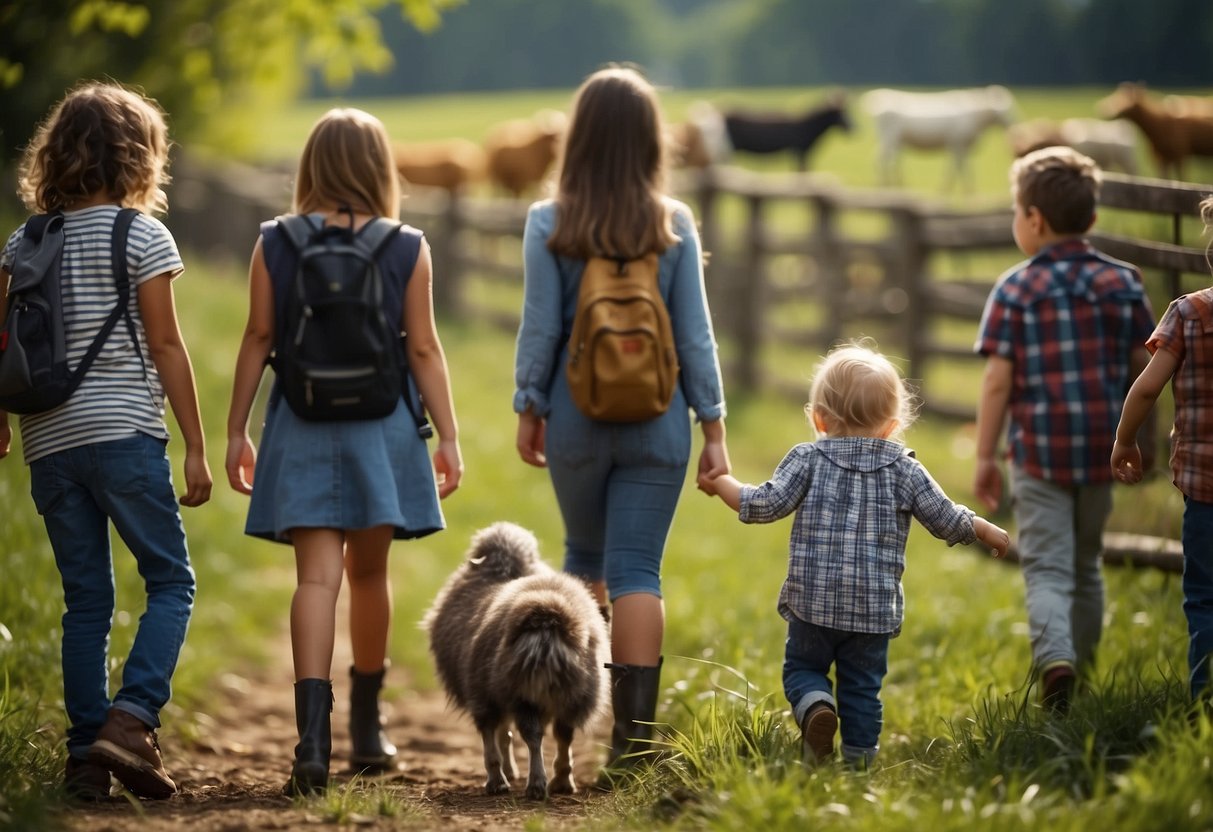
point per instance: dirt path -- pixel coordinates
(231, 776)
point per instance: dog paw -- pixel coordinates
(562, 785)
(496, 785)
(536, 790)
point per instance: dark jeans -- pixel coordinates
(78, 492)
(1198, 591)
(860, 661)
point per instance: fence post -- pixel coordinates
(449, 266)
(750, 297)
(831, 268)
(911, 253)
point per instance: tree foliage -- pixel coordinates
(207, 61)
(197, 57)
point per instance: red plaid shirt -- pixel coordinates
(1186, 331)
(1067, 320)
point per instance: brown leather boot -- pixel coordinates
(129, 749)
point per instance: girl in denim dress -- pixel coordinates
(340, 492)
(617, 484)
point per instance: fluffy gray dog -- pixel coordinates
(516, 641)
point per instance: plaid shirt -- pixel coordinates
(1186, 331)
(853, 498)
(1067, 320)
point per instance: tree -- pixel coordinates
(196, 57)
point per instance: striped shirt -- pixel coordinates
(853, 498)
(1186, 331)
(1067, 320)
(121, 393)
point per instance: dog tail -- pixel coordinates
(503, 552)
(549, 636)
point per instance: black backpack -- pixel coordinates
(338, 358)
(34, 375)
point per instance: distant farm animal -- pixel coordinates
(520, 151)
(753, 132)
(1173, 138)
(1111, 144)
(516, 642)
(452, 164)
(699, 141)
(952, 120)
(1189, 105)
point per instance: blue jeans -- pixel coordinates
(78, 492)
(1198, 591)
(860, 660)
(617, 518)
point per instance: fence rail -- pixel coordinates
(760, 264)
(763, 265)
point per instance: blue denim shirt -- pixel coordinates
(550, 300)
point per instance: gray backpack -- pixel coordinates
(34, 373)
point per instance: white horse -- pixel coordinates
(951, 120)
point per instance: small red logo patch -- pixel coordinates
(631, 345)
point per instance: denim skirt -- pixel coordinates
(342, 475)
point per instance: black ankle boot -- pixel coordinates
(634, 690)
(313, 718)
(370, 748)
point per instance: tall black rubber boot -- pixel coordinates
(370, 749)
(634, 690)
(313, 718)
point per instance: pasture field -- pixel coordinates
(964, 742)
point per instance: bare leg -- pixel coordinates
(366, 559)
(318, 559)
(530, 726)
(505, 743)
(637, 629)
(562, 779)
(496, 782)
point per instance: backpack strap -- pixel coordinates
(122, 227)
(298, 229)
(374, 236)
(376, 233)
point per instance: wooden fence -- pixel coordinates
(797, 263)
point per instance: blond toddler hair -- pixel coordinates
(858, 392)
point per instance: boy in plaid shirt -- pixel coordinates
(853, 493)
(1064, 336)
(1182, 348)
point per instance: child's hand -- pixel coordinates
(1127, 463)
(6, 438)
(197, 480)
(987, 483)
(448, 467)
(993, 536)
(240, 462)
(707, 484)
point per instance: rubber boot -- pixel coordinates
(634, 690)
(313, 718)
(370, 749)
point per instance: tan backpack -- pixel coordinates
(623, 364)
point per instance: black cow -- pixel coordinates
(776, 132)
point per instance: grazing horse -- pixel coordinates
(951, 120)
(776, 132)
(1173, 137)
